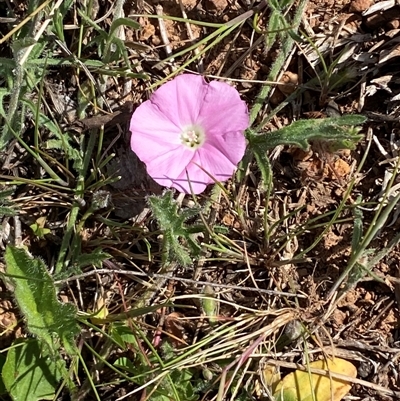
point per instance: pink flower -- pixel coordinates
(190, 128)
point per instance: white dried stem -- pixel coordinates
(200, 65)
(45, 24)
(163, 32)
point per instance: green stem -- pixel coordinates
(277, 66)
(73, 217)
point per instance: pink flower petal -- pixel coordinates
(197, 186)
(222, 110)
(232, 145)
(215, 163)
(180, 165)
(164, 169)
(206, 160)
(181, 99)
(153, 133)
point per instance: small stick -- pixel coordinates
(200, 65)
(17, 231)
(184, 280)
(163, 33)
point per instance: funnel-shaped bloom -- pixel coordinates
(190, 128)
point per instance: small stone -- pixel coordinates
(291, 79)
(358, 6)
(393, 24)
(217, 6)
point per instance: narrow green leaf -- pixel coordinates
(274, 4)
(285, 3)
(94, 258)
(125, 364)
(273, 26)
(358, 227)
(35, 294)
(210, 305)
(6, 211)
(30, 372)
(3, 93)
(8, 63)
(122, 334)
(265, 167)
(123, 21)
(60, 62)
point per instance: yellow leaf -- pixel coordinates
(270, 377)
(306, 386)
(101, 312)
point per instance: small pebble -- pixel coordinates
(358, 6)
(217, 6)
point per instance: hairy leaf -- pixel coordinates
(35, 294)
(172, 224)
(339, 132)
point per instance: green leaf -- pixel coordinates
(94, 258)
(35, 294)
(43, 120)
(123, 21)
(125, 364)
(6, 211)
(172, 224)
(122, 334)
(265, 167)
(335, 133)
(85, 98)
(72, 154)
(210, 305)
(5, 199)
(38, 227)
(285, 3)
(30, 372)
(339, 132)
(3, 94)
(63, 62)
(273, 27)
(2, 385)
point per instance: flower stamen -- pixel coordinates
(192, 137)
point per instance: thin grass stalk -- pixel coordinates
(85, 368)
(372, 231)
(341, 206)
(377, 223)
(54, 176)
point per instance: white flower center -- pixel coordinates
(193, 136)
